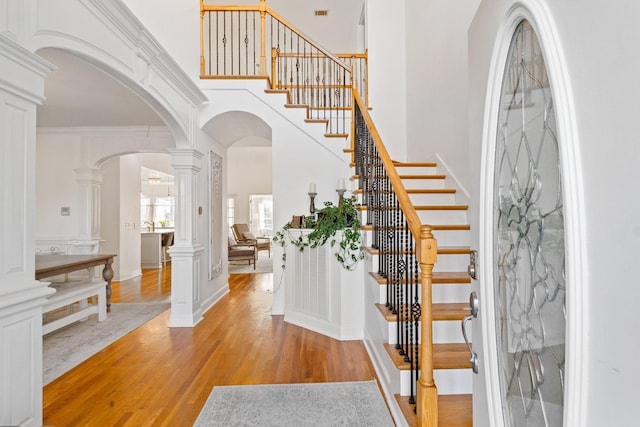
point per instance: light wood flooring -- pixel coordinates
(161, 376)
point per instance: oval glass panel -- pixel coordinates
(528, 242)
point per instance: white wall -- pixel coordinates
(249, 171)
(437, 81)
(57, 155)
(387, 47)
(129, 252)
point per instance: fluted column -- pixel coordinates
(186, 252)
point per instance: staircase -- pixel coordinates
(324, 90)
(436, 205)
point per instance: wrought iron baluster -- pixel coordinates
(224, 43)
(415, 315)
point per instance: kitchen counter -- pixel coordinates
(151, 247)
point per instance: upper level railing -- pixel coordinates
(247, 41)
(406, 253)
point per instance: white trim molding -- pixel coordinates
(537, 14)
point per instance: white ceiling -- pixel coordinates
(80, 95)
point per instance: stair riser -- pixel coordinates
(448, 332)
(449, 381)
(448, 262)
(426, 199)
(417, 170)
(423, 184)
(444, 237)
(450, 292)
(440, 292)
(443, 217)
(452, 237)
(432, 217)
(454, 381)
(443, 332)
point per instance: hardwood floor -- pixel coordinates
(162, 376)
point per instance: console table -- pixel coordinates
(53, 265)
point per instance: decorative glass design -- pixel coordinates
(529, 242)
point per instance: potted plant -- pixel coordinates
(331, 219)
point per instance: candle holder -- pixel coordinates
(312, 207)
(340, 192)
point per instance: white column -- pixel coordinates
(89, 196)
(186, 252)
(21, 296)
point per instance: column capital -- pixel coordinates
(88, 175)
(185, 158)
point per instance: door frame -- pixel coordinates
(575, 242)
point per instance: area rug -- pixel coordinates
(264, 265)
(316, 404)
(67, 347)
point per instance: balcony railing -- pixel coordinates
(247, 41)
(407, 254)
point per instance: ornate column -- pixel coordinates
(89, 196)
(186, 252)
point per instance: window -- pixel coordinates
(158, 210)
(231, 211)
(261, 214)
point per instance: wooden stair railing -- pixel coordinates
(404, 243)
(239, 41)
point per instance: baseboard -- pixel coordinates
(392, 404)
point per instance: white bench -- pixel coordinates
(69, 293)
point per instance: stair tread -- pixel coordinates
(449, 310)
(433, 176)
(442, 311)
(336, 135)
(438, 277)
(445, 356)
(415, 164)
(421, 190)
(440, 227)
(441, 208)
(454, 250)
(442, 250)
(454, 410)
(426, 208)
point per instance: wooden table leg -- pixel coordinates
(107, 275)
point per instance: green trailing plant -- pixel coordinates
(330, 220)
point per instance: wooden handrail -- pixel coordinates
(426, 255)
(403, 197)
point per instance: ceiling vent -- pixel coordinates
(321, 12)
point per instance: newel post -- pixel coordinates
(262, 68)
(427, 392)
